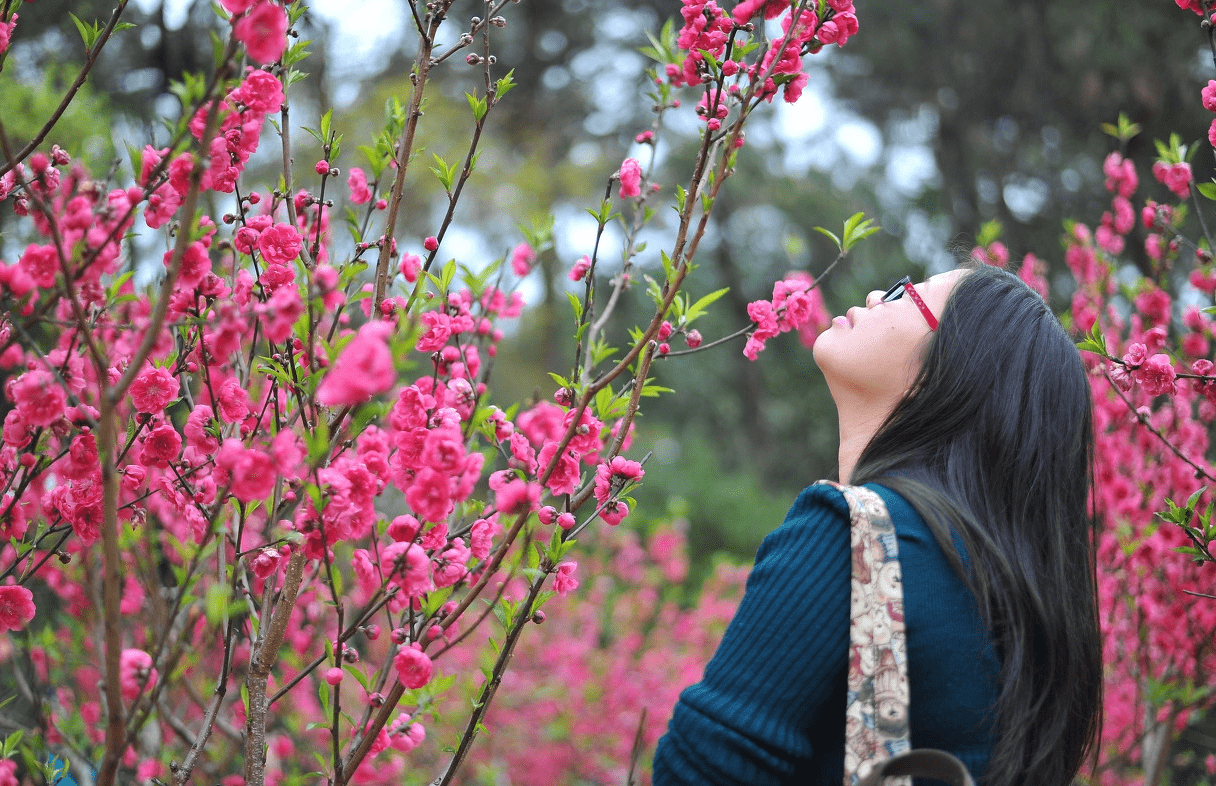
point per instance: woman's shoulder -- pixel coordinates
(825, 504)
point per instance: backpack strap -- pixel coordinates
(876, 711)
(877, 739)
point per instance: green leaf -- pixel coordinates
(326, 119)
(445, 173)
(1207, 189)
(357, 674)
(435, 600)
(478, 105)
(504, 85)
(832, 235)
(668, 270)
(1094, 342)
(1124, 130)
(315, 135)
(989, 232)
(215, 602)
(318, 441)
(856, 230)
(88, 32)
(577, 305)
(698, 308)
(10, 744)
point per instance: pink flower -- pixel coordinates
(762, 313)
(363, 370)
(1209, 96)
(1154, 304)
(1156, 375)
(162, 446)
(263, 31)
(265, 563)
(16, 607)
(281, 312)
(410, 265)
(753, 347)
(516, 495)
(563, 579)
(580, 269)
(522, 259)
(565, 476)
(6, 34)
(1178, 179)
(1137, 353)
(615, 473)
(153, 389)
(356, 181)
(431, 243)
(234, 400)
(41, 264)
(439, 328)
(261, 91)
(1203, 280)
(404, 528)
(252, 473)
(429, 495)
(630, 175)
(413, 666)
(235, 7)
(614, 513)
(135, 673)
(408, 567)
(39, 397)
(280, 244)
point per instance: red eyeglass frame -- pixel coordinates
(897, 291)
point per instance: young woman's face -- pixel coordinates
(876, 350)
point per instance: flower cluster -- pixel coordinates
(796, 305)
(709, 31)
(621, 646)
(261, 25)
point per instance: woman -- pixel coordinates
(964, 404)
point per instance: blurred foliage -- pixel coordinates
(1015, 93)
(25, 106)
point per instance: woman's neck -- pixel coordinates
(860, 419)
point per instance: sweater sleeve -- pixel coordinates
(769, 695)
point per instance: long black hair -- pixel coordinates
(994, 442)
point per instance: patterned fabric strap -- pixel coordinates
(876, 714)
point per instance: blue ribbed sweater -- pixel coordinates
(770, 708)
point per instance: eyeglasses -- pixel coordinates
(897, 291)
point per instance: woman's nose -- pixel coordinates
(874, 298)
